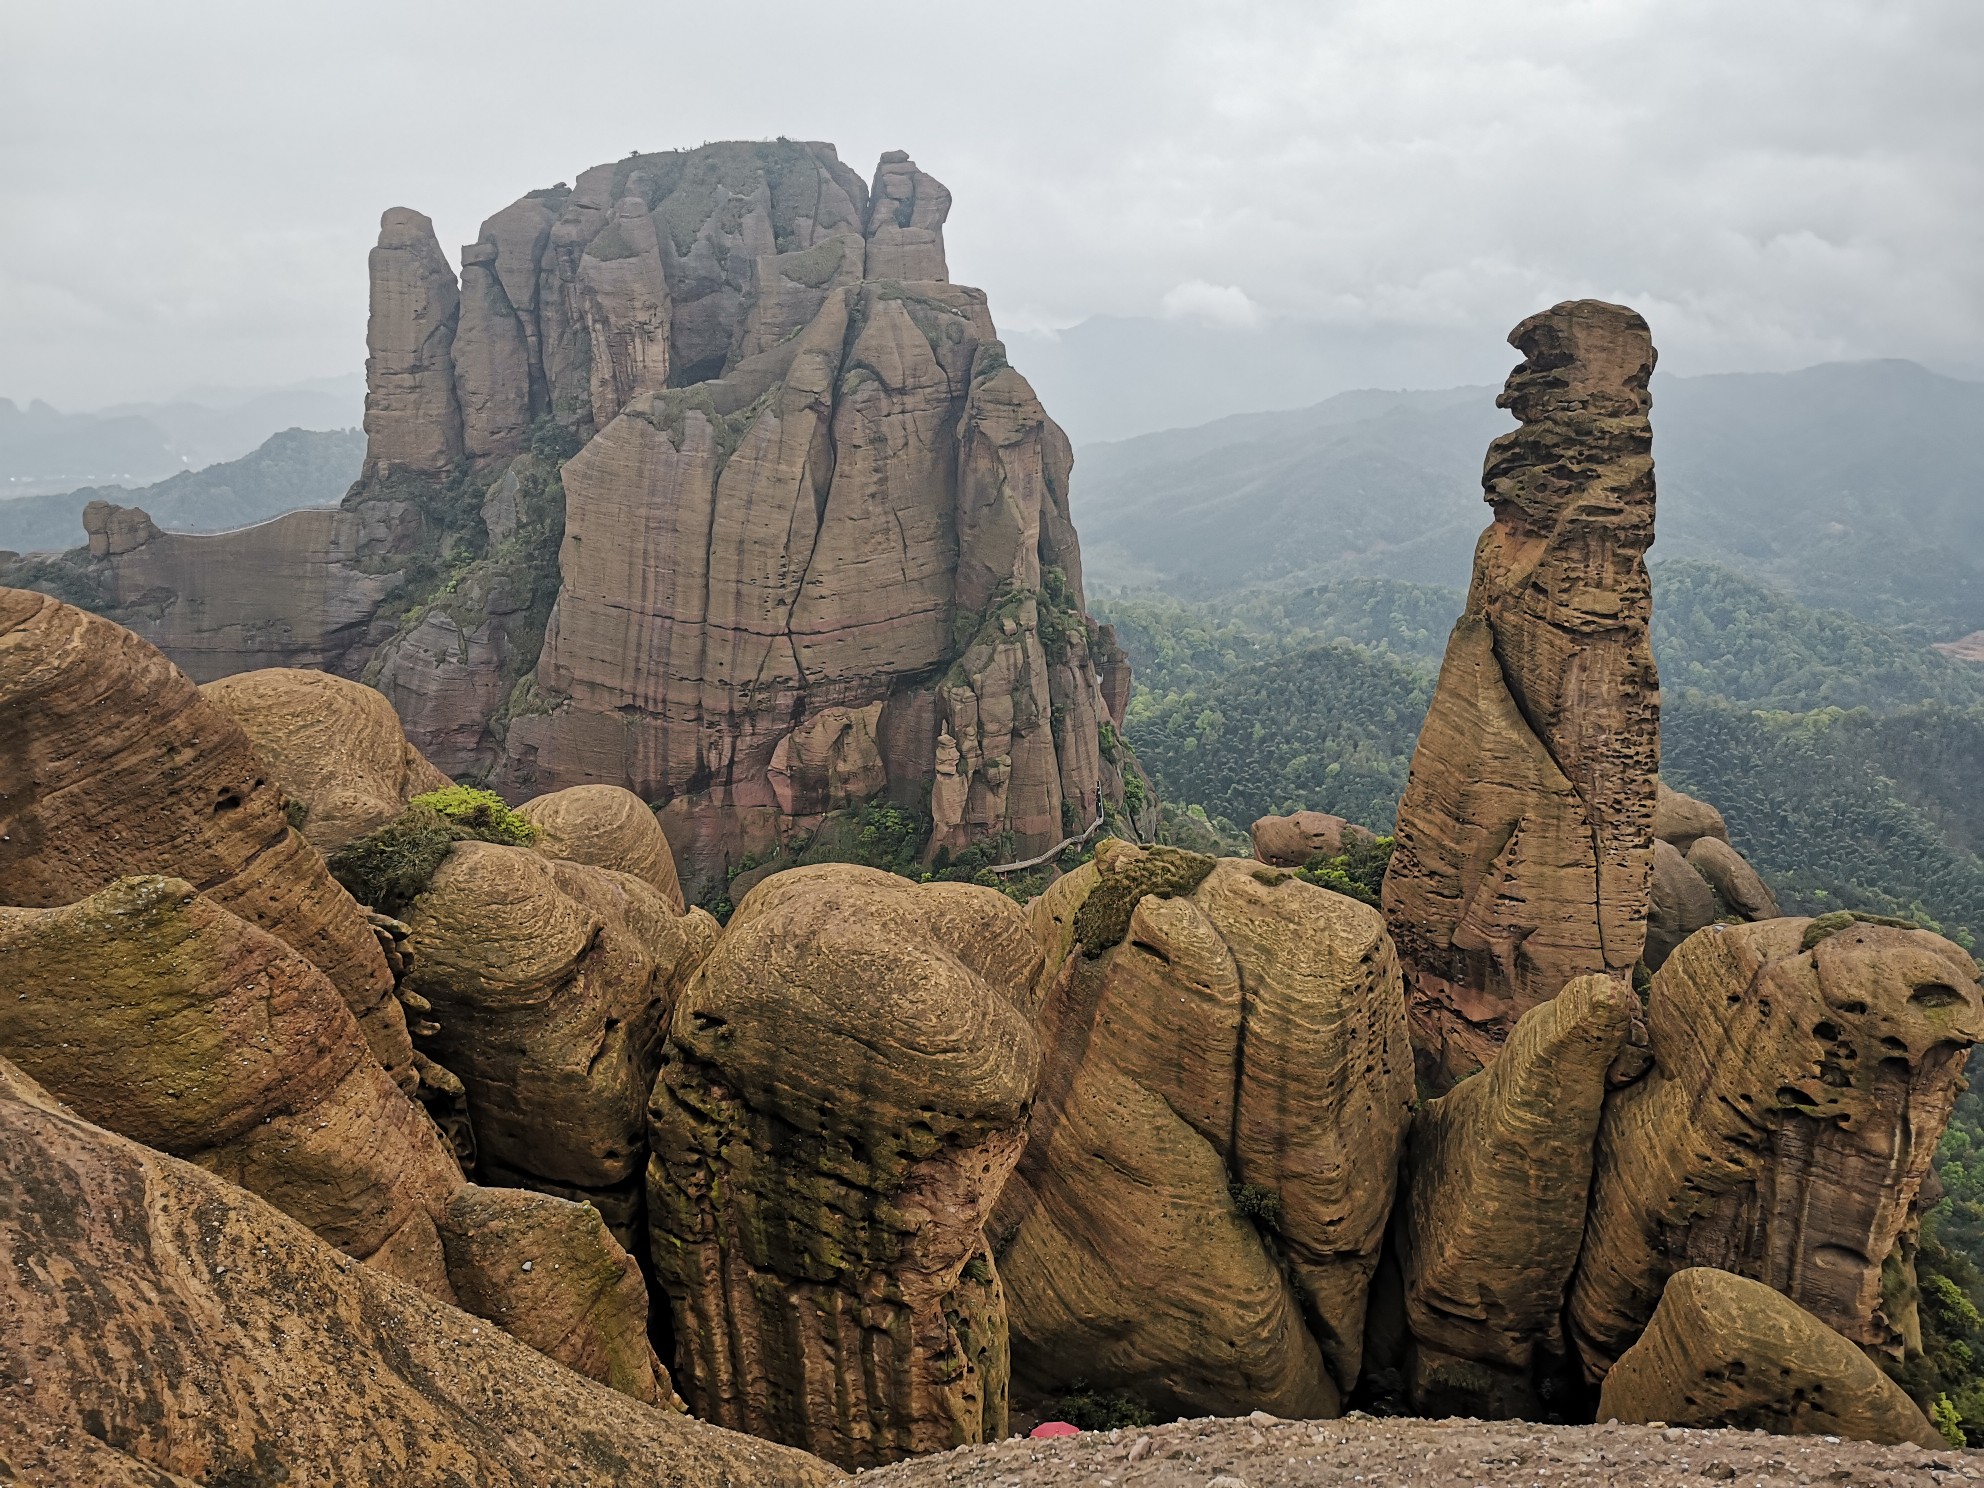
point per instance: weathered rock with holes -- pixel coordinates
(1525, 836)
(334, 747)
(813, 548)
(1802, 1080)
(1726, 1351)
(1497, 1175)
(846, 1087)
(1226, 1090)
(190, 1329)
(552, 982)
(112, 763)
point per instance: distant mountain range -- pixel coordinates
(1857, 486)
(43, 450)
(291, 469)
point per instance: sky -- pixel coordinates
(188, 191)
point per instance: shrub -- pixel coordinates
(479, 813)
(391, 867)
(1358, 871)
(1260, 1207)
(1100, 1410)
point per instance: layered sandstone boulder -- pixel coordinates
(334, 747)
(814, 547)
(112, 763)
(605, 827)
(551, 982)
(1525, 836)
(1291, 841)
(1226, 1088)
(1698, 878)
(846, 1087)
(1726, 1351)
(1803, 1073)
(158, 1014)
(189, 1329)
(1497, 1175)
(153, 1011)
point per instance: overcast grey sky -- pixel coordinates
(188, 190)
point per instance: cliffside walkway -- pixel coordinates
(1053, 852)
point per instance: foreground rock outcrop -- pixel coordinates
(1525, 836)
(1226, 1088)
(113, 764)
(163, 1017)
(1498, 1174)
(185, 1327)
(703, 480)
(846, 1086)
(1804, 1072)
(551, 983)
(1725, 1351)
(334, 747)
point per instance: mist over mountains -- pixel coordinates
(44, 450)
(1853, 485)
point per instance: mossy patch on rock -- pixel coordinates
(1168, 872)
(391, 867)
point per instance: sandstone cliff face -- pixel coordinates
(807, 487)
(845, 1089)
(1226, 1088)
(1801, 1082)
(1525, 836)
(188, 1328)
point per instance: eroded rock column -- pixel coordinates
(1525, 840)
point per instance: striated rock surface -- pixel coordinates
(1226, 1088)
(1726, 1351)
(552, 982)
(189, 1329)
(1498, 1174)
(334, 747)
(846, 1087)
(605, 827)
(750, 517)
(153, 1011)
(1803, 1074)
(1525, 835)
(112, 763)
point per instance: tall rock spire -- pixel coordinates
(1525, 838)
(413, 419)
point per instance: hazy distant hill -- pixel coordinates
(293, 469)
(1857, 486)
(45, 451)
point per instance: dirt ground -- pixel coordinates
(1262, 1452)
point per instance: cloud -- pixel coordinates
(187, 193)
(1215, 304)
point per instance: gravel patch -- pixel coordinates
(1261, 1451)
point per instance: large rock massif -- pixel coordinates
(702, 480)
(1525, 836)
(898, 1157)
